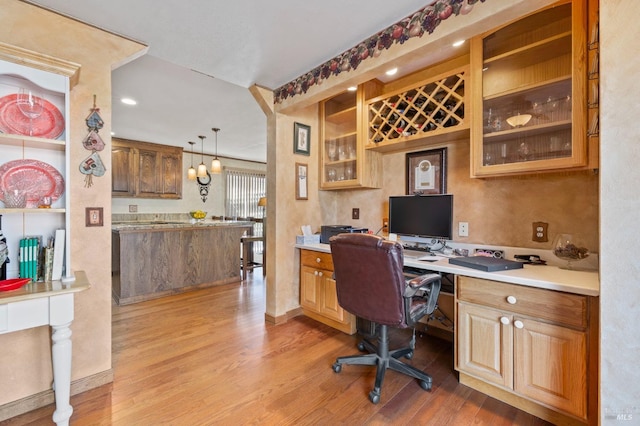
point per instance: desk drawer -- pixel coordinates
(564, 308)
(316, 259)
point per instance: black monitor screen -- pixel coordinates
(422, 216)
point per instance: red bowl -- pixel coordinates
(13, 284)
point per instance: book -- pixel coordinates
(29, 257)
(58, 255)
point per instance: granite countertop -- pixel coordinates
(175, 224)
(540, 276)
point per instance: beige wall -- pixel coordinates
(500, 211)
(619, 210)
(25, 366)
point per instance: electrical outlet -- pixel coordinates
(133, 208)
(463, 229)
(355, 213)
(385, 224)
(540, 232)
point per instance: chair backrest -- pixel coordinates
(369, 278)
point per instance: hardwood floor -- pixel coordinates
(208, 357)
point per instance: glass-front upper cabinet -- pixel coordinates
(529, 94)
(344, 163)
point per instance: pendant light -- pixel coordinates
(191, 173)
(216, 166)
(202, 169)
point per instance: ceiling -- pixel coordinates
(203, 55)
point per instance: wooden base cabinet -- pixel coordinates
(318, 297)
(528, 347)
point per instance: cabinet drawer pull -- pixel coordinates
(511, 300)
(318, 260)
(315, 273)
(320, 274)
(518, 324)
(504, 320)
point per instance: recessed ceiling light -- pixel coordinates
(392, 71)
(128, 101)
(352, 88)
(458, 43)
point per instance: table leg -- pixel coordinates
(61, 358)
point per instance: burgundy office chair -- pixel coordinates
(370, 284)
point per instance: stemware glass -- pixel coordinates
(348, 172)
(568, 247)
(30, 105)
(332, 150)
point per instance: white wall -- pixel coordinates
(619, 212)
(191, 200)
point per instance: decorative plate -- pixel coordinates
(49, 125)
(35, 178)
(13, 284)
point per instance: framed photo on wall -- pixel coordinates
(301, 139)
(427, 172)
(302, 184)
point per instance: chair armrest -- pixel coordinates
(423, 282)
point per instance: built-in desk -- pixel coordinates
(541, 276)
(528, 337)
(39, 304)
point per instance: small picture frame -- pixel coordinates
(301, 139)
(302, 182)
(427, 172)
(94, 216)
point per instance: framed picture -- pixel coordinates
(301, 139)
(427, 172)
(301, 182)
(94, 216)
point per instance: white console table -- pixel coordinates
(39, 304)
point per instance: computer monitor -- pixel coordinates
(422, 216)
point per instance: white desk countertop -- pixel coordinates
(541, 276)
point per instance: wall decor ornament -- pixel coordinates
(92, 165)
(427, 172)
(301, 139)
(422, 22)
(204, 182)
(302, 184)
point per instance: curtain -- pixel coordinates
(243, 189)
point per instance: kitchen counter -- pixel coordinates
(165, 225)
(151, 259)
(540, 276)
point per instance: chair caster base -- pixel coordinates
(426, 385)
(374, 396)
(337, 367)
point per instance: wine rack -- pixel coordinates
(430, 108)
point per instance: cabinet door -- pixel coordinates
(123, 176)
(171, 175)
(148, 170)
(309, 290)
(485, 344)
(329, 300)
(529, 105)
(344, 163)
(551, 365)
